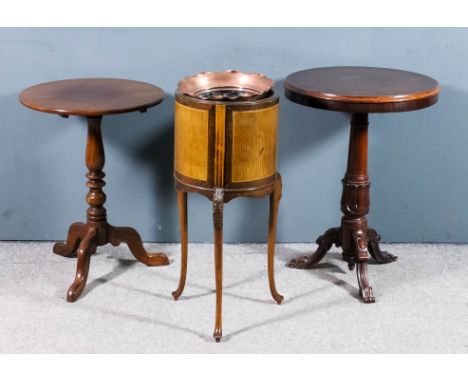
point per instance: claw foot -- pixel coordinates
(324, 242)
(365, 290)
(382, 257)
(303, 262)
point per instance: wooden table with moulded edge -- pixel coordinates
(94, 98)
(358, 91)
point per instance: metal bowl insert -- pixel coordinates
(230, 85)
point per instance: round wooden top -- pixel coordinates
(91, 97)
(361, 89)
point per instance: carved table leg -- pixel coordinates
(353, 236)
(365, 290)
(378, 255)
(218, 200)
(182, 201)
(324, 242)
(355, 205)
(85, 238)
(275, 197)
(360, 243)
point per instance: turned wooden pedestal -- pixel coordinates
(224, 151)
(358, 90)
(94, 98)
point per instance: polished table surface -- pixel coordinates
(361, 89)
(91, 97)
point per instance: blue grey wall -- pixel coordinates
(418, 160)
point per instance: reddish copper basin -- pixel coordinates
(230, 85)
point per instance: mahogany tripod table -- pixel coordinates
(93, 98)
(359, 91)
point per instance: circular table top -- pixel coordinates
(91, 97)
(361, 89)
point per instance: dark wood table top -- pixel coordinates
(361, 89)
(91, 97)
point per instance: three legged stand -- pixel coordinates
(84, 238)
(353, 236)
(218, 199)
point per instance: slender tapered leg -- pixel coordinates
(76, 233)
(382, 257)
(182, 202)
(218, 201)
(275, 197)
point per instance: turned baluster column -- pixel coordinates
(355, 197)
(95, 158)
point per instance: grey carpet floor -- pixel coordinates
(422, 303)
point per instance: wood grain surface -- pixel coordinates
(254, 136)
(91, 97)
(191, 142)
(361, 89)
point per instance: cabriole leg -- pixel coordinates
(182, 201)
(275, 197)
